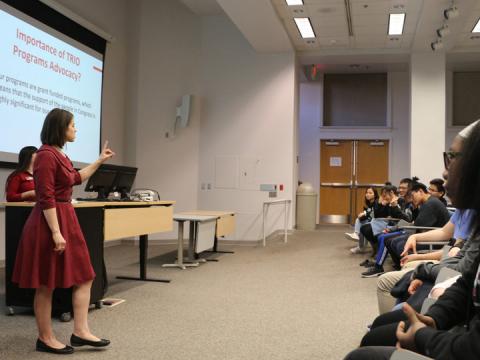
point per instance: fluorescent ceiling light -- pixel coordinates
(305, 27)
(395, 24)
(476, 29)
(294, 2)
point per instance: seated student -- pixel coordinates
(388, 207)
(20, 185)
(458, 228)
(459, 306)
(432, 213)
(371, 202)
(437, 189)
(405, 196)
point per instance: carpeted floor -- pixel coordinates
(301, 300)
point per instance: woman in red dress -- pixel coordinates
(52, 252)
(20, 185)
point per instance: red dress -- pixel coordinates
(36, 262)
(19, 183)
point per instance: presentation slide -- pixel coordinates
(38, 72)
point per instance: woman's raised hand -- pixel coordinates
(106, 153)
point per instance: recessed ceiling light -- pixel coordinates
(305, 27)
(476, 29)
(294, 2)
(395, 24)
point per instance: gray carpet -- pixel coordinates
(301, 300)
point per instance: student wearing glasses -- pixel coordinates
(437, 189)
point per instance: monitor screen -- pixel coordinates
(102, 181)
(124, 180)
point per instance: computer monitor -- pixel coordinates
(124, 180)
(102, 181)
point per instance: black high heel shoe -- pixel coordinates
(78, 341)
(41, 346)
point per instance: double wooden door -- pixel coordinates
(347, 168)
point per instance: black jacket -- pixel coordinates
(455, 307)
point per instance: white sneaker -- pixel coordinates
(351, 236)
(357, 250)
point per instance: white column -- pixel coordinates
(427, 114)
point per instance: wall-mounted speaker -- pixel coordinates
(183, 111)
(182, 116)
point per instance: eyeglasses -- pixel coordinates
(448, 156)
(432, 190)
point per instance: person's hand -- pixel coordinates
(411, 244)
(29, 195)
(59, 241)
(408, 258)
(453, 251)
(394, 201)
(427, 320)
(106, 153)
(362, 214)
(436, 293)
(406, 338)
(414, 285)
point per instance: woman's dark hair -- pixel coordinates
(55, 127)
(375, 195)
(416, 186)
(439, 184)
(24, 159)
(464, 177)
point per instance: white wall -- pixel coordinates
(164, 65)
(310, 132)
(428, 114)
(248, 113)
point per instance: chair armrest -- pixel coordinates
(388, 219)
(402, 354)
(445, 274)
(413, 227)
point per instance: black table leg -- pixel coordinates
(143, 263)
(215, 251)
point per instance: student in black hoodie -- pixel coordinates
(458, 309)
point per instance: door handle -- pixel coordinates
(367, 185)
(336, 184)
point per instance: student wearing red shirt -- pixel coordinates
(52, 252)
(20, 185)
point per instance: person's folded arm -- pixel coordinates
(452, 307)
(443, 345)
(13, 193)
